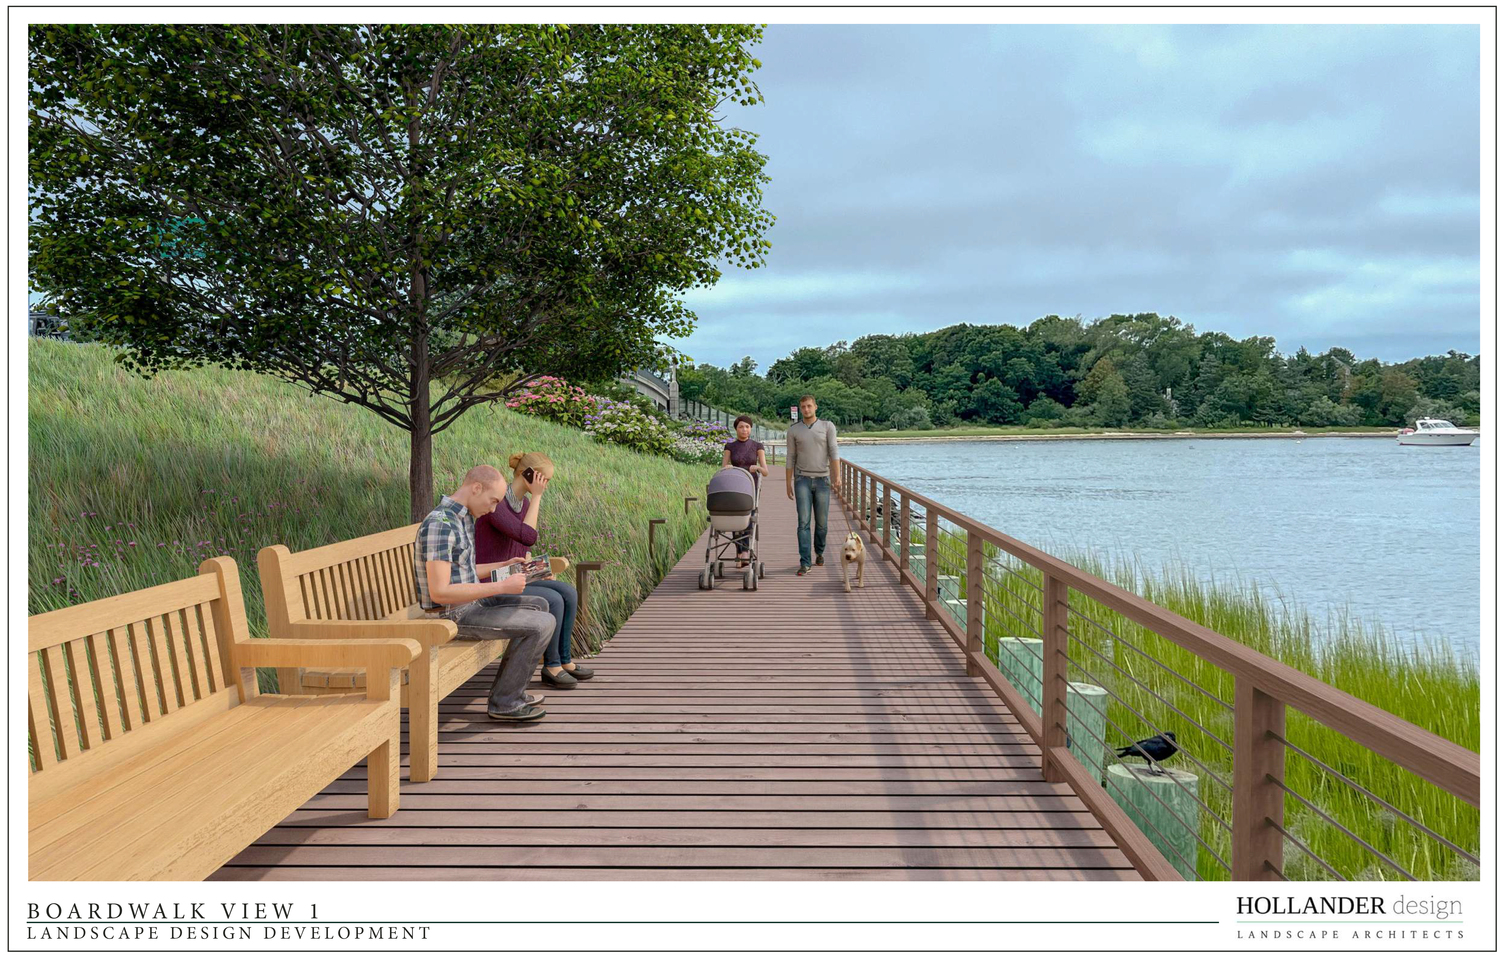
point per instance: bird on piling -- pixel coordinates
(1157, 749)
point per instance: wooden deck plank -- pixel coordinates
(403, 873)
(1016, 818)
(794, 732)
(518, 836)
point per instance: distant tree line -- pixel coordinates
(1122, 371)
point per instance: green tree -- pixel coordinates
(804, 364)
(391, 215)
(1398, 392)
(996, 402)
(1143, 388)
(1111, 404)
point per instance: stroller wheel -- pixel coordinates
(719, 569)
(708, 579)
(760, 569)
(703, 579)
(749, 577)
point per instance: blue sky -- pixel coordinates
(1319, 184)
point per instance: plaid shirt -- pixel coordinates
(445, 534)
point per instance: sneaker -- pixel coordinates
(521, 714)
(579, 672)
(562, 679)
(802, 571)
(820, 560)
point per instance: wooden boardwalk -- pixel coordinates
(795, 732)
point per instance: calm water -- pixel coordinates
(1342, 525)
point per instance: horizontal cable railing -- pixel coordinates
(698, 411)
(1268, 773)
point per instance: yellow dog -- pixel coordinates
(854, 553)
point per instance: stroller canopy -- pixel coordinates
(731, 492)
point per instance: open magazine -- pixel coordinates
(537, 568)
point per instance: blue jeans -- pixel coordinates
(520, 619)
(812, 505)
(562, 601)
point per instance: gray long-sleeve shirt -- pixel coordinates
(812, 449)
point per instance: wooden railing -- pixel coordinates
(1263, 688)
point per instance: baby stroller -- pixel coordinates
(733, 516)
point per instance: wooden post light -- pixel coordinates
(581, 571)
(651, 537)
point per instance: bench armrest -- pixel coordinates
(393, 654)
(428, 633)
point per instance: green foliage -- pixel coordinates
(132, 483)
(364, 210)
(619, 422)
(1120, 371)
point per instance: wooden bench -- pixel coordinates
(152, 754)
(365, 588)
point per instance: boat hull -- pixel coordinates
(1436, 440)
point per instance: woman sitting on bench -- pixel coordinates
(509, 531)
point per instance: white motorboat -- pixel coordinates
(1435, 432)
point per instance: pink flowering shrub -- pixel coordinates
(553, 398)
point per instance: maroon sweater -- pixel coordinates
(502, 535)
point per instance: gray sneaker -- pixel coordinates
(521, 714)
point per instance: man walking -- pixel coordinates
(451, 585)
(812, 462)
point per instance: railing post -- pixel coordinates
(974, 603)
(885, 521)
(1254, 843)
(686, 503)
(905, 532)
(1054, 673)
(930, 564)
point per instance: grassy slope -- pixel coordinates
(133, 482)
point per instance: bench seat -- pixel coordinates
(185, 802)
(153, 755)
(365, 589)
(457, 662)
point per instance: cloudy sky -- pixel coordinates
(1317, 184)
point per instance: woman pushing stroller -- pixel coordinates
(743, 452)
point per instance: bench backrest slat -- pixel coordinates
(102, 670)
(368, 578)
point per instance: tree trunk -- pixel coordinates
(422, 492)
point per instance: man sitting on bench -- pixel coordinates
(451, 585)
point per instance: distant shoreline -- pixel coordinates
(930, 437)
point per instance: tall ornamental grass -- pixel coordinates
(133, 482)
(1156, 685)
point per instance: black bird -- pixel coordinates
(1157, 749)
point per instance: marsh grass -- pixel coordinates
(134, 482)
(1428, 684)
